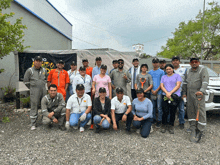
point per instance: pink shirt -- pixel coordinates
(101, 82)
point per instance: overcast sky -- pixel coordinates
(118, 24)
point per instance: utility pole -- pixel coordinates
(203, 30)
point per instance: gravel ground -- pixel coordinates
(19, 145)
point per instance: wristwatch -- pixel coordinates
(126, 114)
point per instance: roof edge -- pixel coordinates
(42, 19)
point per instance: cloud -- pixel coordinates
(126, 22)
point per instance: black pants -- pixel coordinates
(168, 109)
(118, 117)
(133, 94)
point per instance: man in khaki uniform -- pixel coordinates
(36, 78)
(194, 87)
(53, 108)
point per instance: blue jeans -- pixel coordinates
(105, 123)
(74, 119)
(145, 126)
(157, 105)
(69, 91)
(181, 112)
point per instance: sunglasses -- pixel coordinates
(120, 62)
(194, 62)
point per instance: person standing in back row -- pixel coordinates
(60, 78)
(89, 69)
(181, 72)
(96, 69)
(194, 87)
(156, 92)
(120, 77)
(36, 77)
(134, 71)
(144, 81)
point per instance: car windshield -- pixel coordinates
(211, 72)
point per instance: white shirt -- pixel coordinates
(120, 107)
(87, 82)
(72, 75)
(181, 71)
(78, 107)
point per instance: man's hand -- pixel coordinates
(83, 117)
(67, 125)
(115, 126)
(154, 92)
(124, 118)
(101, 121)
(199, 94)
(113, 87)
(50, 115)
(55, 120)
(125, 77)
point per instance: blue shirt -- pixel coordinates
(156, 76)
(142, 108)
(96, 70)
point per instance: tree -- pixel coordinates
(187, 41)
(11, 35)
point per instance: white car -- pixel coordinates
(213, 89)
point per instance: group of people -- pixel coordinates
(77, 97)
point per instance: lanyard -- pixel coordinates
(79, 103)
(84, 79)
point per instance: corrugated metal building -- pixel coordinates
(47, 29)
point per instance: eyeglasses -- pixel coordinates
(120, 62)
(194, 62)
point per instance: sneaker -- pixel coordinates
(192, 137)
(89, 122)
(199, 136)
(163, 128)
(33, 127)
(75, 127)
(151, 129)
(50, 125)
(181, 126)
(138, 131)
(171, 129)
(158, 125)
(97, 130)
(91, 127)
(128, 131)
(81, 129)
(62, 128)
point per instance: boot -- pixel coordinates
(198, 136)
(192, 137)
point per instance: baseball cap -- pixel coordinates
(103, 66)
(140, 90)
(155, 60)
(73, 63)
(82, 68)
(102, 90)
(163, 61)
(61, 61)
(80, 87)
(175, 58)
(85, 60)
(98, 59)
(135, 59)
(38, 58)
(194, 58)
(114, 61)
(119, 90)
